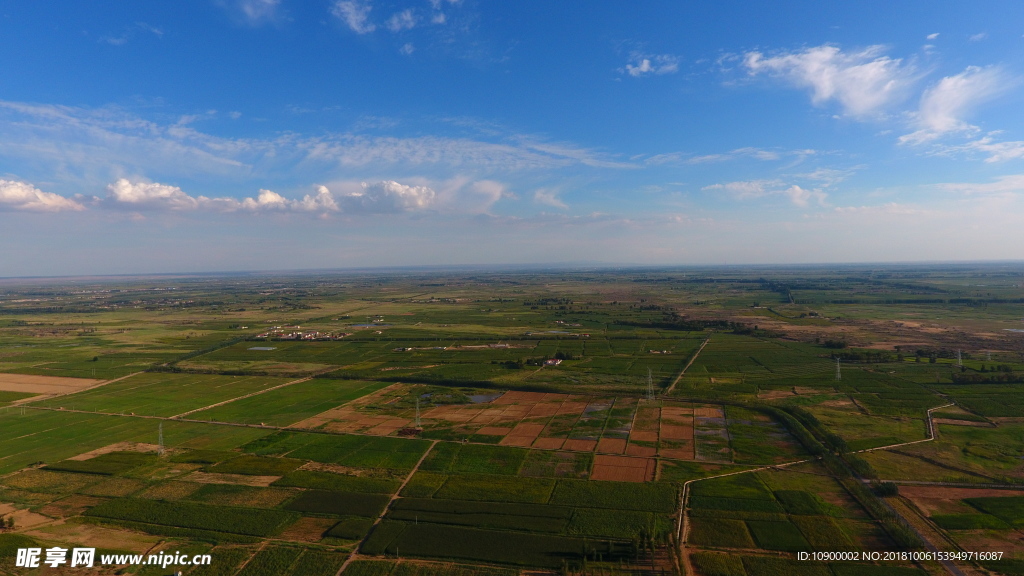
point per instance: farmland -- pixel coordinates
(490, 423)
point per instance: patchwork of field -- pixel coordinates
(633, 428)
(496, 423)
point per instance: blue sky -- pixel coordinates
(140, 137)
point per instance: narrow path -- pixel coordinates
(355, 551)
(250, 395)
(687, 367)
(40, 398)
(929, 422)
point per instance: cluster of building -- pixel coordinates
(295, 333)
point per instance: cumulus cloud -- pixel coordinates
(387, 197)
(149, 195)
(749, 189)
(407, 48)
(22, 196)
(404, 20)
(932, 36)
(862, 82)
(355, 14)
(549, 198)
(643, 65)
(152, 196)
(944, 105)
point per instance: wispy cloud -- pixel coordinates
(749, 189)
(22, 196)
(130, 33)
(355, 14)
(253, 12)
(645, 64)
(978, 37)
(932, 36)
(864, 82)
(944, 105)
(1012, 184)
(746, 152)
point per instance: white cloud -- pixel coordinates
(978, 37)
(802, 197)
(407, 48)
(148, 195)
(404, 20)
(932, 36)
(997, 151)
(864, 82)
(748, 152)
(439, 18)
(253, 12)
(749, 189)
(387, 197)
(23, 196)
(355, 14)
(643, 65)
(944, 105)
(1012, 184)
(93, 147)
(891, 208)
(549, 198)
(152, 196)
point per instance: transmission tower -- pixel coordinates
(160, 439)
(650, 386)
(959, 359)
(417, 412)
(839, 373)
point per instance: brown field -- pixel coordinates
(946, 499)
(241, 479)
(71, 506)
(44, 384)
(611, 445)
(540, 420)
(92, 536)
(623, 469)
(118, 447)
(307, 529)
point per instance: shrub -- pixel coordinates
(969, 522)
(271, 561)
(737, 504)
(496, 488)
(352, 528)
(339, 482)
(248, 521)
(720, 533)
(106, 464)
(800, 502)
(256, 466)
(777, 536)
(710, 564)
(314, 563)
(340, 503)
(646, 497)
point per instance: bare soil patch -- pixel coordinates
(172, 490)
(240, 479)
(580, 445)
(548, 443)
(71, 506)
(92, 536)
(118, 447)
(44, 384)
(307, 529)
(611, 445)
(623, 469)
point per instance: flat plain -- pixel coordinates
(702, 421)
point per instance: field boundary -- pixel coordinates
(687, 367)
(249, 395)
(355, 551)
